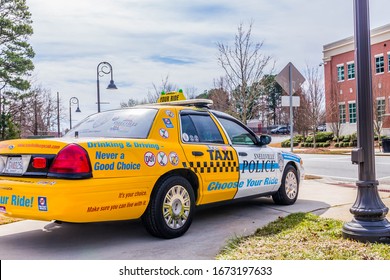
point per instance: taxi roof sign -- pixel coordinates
(171, 96)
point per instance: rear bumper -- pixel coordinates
(89, 200)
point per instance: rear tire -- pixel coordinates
(288, 190)
(171, 207)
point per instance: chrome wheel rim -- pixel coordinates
(291, 185)
(176, 207)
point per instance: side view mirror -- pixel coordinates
(264, 140)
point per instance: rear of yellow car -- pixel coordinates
(82, 179)
(86, 177)
(53, 180)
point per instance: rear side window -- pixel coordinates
(199, 127)
(127, 123)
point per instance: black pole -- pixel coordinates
(70, 113)
(58, 115)
(369, 223)
(98, 87)
(102, 69)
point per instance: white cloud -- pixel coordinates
(71, 37)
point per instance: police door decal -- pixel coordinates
(258, 171)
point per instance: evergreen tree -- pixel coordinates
(273, 92)
(15, 52)
(15, 58)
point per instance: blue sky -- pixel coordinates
(146, 40)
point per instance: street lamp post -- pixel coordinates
(73, 100)
(104, 68)
(369, 223)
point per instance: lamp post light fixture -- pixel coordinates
(104, 68)
(73, 100)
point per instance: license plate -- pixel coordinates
(14, 165)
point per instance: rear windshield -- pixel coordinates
(127, 123)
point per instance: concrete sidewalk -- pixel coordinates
(336, 197)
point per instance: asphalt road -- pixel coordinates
(340, 167)
(208, 234)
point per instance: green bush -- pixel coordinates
(309, 139)
(298, 138)
(324, 136)
(337, 145)
(347, 138)
(286, 143)
(325, 145)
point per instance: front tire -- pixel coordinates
(288, 190)
(171, 207)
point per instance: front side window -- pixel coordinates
(351, 71)
(342, 113)
(238, 134)
(379, 64)
(352, 112)
(199, 127)
(340, 73)
(126, 123)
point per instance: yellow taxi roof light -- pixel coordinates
(171, 96)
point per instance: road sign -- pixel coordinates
(290, 80)
(283, 78)
(296, 101)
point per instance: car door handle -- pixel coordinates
(242, 154)
(197, 154)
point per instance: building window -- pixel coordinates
(380, 108)
(351, 71)
(352, 112)
(388, 61)
(379, 64)
(342, 113)
(340, 73)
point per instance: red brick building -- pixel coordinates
(340, 82)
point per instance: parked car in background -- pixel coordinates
(321, 127)
(282, 129)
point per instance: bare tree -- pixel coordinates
(190, 92)
(165, 86)
(315, 96)
(302, 123)
(244, 66)
(34, 112)
(130, 103)
(379, 89)
(220, 96)
(333, 110)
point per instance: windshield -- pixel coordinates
(126, 123)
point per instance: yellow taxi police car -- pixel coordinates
(155, 162)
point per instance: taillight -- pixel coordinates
(39, 162)
(71, 160)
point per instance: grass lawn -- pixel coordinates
(302, 236)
